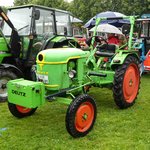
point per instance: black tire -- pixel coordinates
(78, 122)
(19, 111)
(126, 83)
(5, 76)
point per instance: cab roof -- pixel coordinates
(39, 6)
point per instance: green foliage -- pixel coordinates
(49, 3)
(114, 129)
(4, 9)
(85, 10)
(22, 2)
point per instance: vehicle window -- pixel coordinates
(144, 32)
(63, 24)
(45, 24)
(21, 19)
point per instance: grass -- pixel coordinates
(114, 129)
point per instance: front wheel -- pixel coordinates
(81, 116)
(5, 76)
(126, 83)
(20, 111)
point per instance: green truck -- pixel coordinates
(26, 30)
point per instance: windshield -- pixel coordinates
(63, 24)
(21, 19)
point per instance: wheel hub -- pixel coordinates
(130, 82)
(84, 117)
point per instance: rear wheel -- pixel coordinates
(126, 82)
(20, 111)
(5, 76)
(81, 116)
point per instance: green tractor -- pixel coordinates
(26, 30)
(66, 74)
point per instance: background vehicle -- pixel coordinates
(26, 31)
(143, 38)
(66, 75)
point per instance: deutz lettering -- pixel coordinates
(18, 93)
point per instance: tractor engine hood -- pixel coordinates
(60, 55)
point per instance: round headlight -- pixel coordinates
(72, 74)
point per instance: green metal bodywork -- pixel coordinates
(61, 55)
(23, 92)
(121, 55)
(55, 65)
(3, 45)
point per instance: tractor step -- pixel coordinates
(97, 74)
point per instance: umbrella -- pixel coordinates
(108, 14)
(107, 28)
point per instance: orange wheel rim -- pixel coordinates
(23, 109)
(84, 117)
(131, 83)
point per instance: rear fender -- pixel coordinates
(13, 68)
(120, 58)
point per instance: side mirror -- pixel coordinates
(126, 29)
(37, 14)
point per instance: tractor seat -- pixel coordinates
(106, 50)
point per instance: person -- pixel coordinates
(112, 39)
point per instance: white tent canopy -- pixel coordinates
(75, 20)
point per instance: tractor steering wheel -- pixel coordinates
(102, 39)
(98, 41)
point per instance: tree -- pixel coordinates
(85, 10)
(22, 2)
(60, 4)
